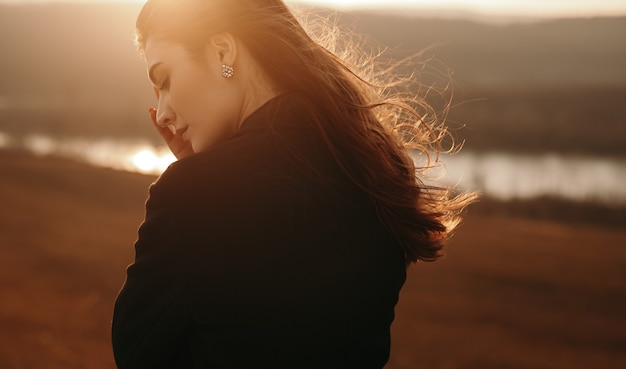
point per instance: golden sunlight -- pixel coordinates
(148, 160)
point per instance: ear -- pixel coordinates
(223, 47)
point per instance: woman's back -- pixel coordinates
(275, 262)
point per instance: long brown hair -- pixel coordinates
(370, 119)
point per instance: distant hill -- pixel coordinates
(561, 52)
(64, 66)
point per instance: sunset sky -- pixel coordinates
(542, 8)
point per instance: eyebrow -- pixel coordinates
(151, 72)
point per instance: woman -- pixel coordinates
(281, 236)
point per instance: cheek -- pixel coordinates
(182, 99)
(208, 106)
(192, 98)
(216, 125)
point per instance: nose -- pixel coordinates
(165, 115)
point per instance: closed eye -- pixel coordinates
(166, 82)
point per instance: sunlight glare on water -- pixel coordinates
(128, 155)
(40, 145)
(509, 176)
(149, 161)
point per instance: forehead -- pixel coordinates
(161, 51)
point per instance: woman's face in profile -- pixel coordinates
(194, 99)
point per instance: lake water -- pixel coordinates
(498, 175)
(513, 176)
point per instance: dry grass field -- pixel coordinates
(513, 292)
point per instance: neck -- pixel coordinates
(258, 91)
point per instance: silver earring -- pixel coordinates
(228, 71)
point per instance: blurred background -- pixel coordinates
(536, 278)
(540, 100)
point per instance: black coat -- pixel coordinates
(259, 253)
